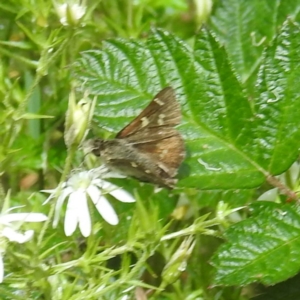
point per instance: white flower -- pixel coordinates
(78, 189)
(9, 225)
(70, 13)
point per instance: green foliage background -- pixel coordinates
(236, 77)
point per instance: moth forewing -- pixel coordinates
(168, 152)
(147, 135)
(163, 110)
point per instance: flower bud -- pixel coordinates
(78, 118)
(202, 10)
(178, 261)
(224, 213)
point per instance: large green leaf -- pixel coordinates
(246, 27)
(232, 141)
(264, 248)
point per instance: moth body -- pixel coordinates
(124, 158)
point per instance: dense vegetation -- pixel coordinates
(230, 229)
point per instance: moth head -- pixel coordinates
(94, 146)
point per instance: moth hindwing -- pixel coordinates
(149, 148)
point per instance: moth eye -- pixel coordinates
(159, 102)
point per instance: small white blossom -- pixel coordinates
(78, 189)
(70, 13)
(9, 230)
(9, 223)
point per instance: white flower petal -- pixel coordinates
(75, 12)
(106, 211)
(51, 191)
(64, 192)
(84, 218)
(122, 195)
(71, 218)
(61, 9)
(48, 199)
(115, 191)
(28, 235)
(23, 217)
(78, 11)
(60, 201)
(1, 268)
(103, 206)
(105, 185)
(12, 208)
(15, 236)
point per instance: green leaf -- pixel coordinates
(276, 115)
(264, 248)
(232, 141)
(246, 27)
(234, 198)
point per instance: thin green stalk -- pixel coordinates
(283, 188)
(129, 16)
(41, 71)
(44, 63)
(193, 229)
(11, 54)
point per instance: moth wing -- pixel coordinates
(148, 135)
(141, 172)
(168, 153)
(163, 110)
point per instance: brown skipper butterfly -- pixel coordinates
(149, 148)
